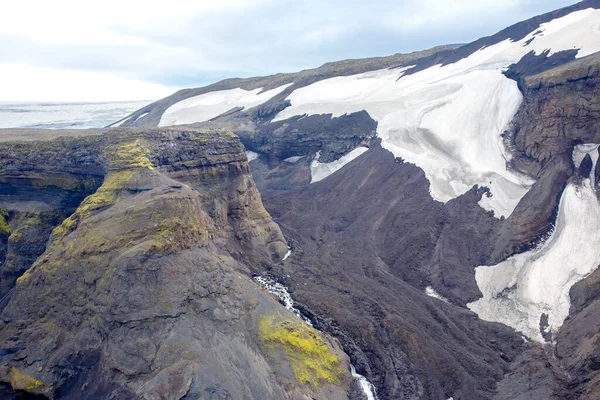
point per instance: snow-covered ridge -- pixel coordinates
(520, 290)
(448, 119)
(281, 292)
(320, 171)
(212, 104)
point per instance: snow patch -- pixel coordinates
(448, 119)
(320, 171)
(429, 291)
(289, 253)
(142, 116)
(519, 290)
(209, 105)
(293, 160)
(251, 155)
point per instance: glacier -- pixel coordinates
(520, 290)
(448, 119)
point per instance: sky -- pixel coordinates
(113, 50)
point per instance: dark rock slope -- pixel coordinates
(366, 242)
(143, 291)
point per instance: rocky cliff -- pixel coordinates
(142, 287)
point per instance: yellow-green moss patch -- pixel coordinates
(21, 381)
(305, 350)
(130, 155)
(65, 228)
(106, 195)
(4, 228)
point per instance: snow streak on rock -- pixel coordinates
(530, 291)
(448, 119)
(320, 171)
(251, 155)
(289, 253)
(212, 104)
(429, 291)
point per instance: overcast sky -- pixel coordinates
(76, 50)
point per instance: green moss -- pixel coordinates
(21, 381)
(126, 160)
(65, 228)
(130, 155)
(306, 352)
(5, 230)
(107, 194)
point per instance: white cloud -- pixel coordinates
(190, 43)
(24, 83)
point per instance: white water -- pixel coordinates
(366, 386)
(448, 119)
(320, 171)
(212, 104)
(518, 291)
(281, 292)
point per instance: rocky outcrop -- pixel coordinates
(143, 292)
(41, 183)
(560, 108)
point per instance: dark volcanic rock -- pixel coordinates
(585, 168)
(560, 108)
(303, 137)
(535, 214)
(366, 241)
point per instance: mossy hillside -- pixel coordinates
(92, 247)
(305, 350)
(125, 161)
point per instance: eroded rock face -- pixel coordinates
(560, 107)
(141, 292)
